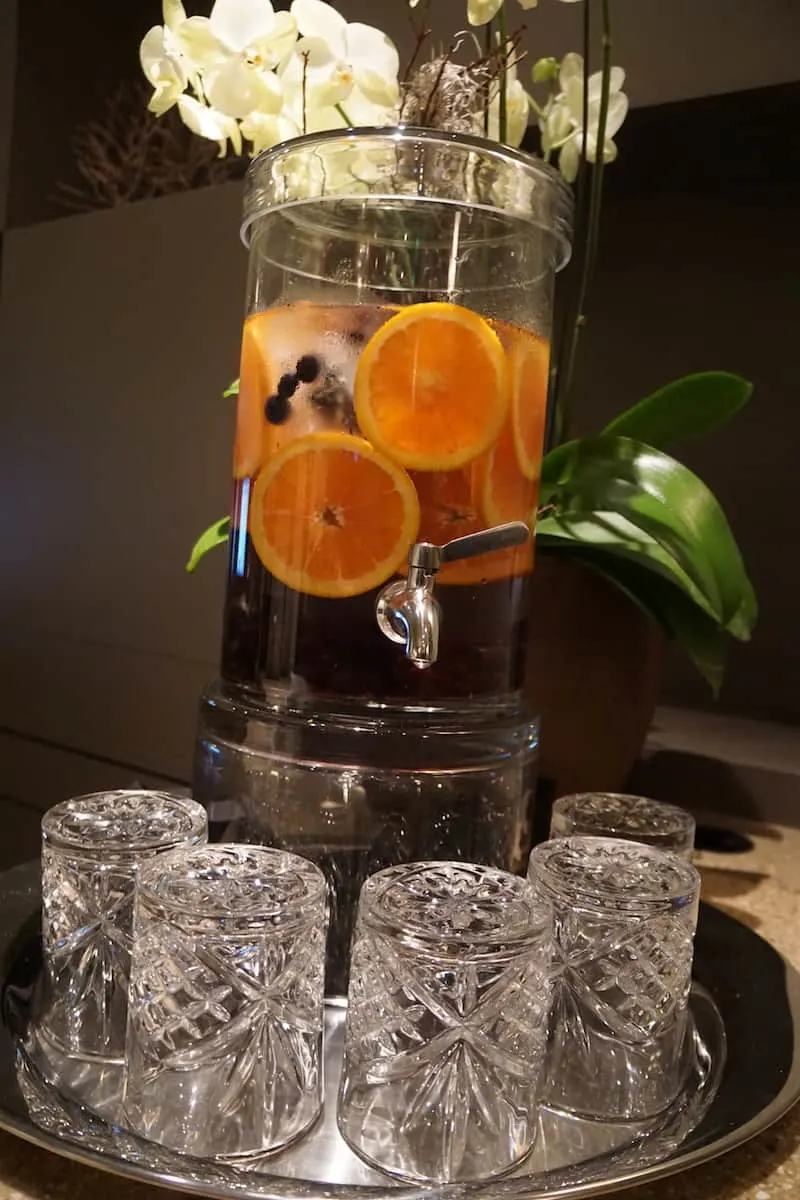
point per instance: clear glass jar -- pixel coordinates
(392, 400)
(400, 291)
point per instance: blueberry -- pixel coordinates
(277, 409)
(307, 368)
(287, 386)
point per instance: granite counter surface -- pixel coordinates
(760, 887)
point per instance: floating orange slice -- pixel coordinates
(330, 516)
(529, 363)
(448, 503)
(506, 495)
(431, 387)
(450, 507)
(272, 343)
(254, 387)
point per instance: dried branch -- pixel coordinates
(127, 154)
(444, 94)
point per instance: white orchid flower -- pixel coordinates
(562, 122)
(526, 4)
(517, 110)
(481, 12)
(320, 113)
(208, 123)
(335, 56)
(235, 50)
(162, 60)
(163, 67)
(266, 130)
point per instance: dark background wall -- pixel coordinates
(118, 330)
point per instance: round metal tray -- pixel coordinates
(745, 995)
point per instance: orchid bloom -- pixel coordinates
(208, 123)
(517, 109)
(561, 122)
(236, 49)
(481, 12)
(265, 130)
(334, 58)
(162, 59)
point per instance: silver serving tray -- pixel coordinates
(742, 1072)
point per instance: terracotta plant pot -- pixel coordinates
(593, 674)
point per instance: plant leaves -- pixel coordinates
(664, 500)
(689, 406)
(231, 390)
(215, 535)
(699, 636)
(612, 535)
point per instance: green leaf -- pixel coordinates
(663, 500)
(698, 635)
(215, 535)
(684, 408)
(614, 536)
(231, 390)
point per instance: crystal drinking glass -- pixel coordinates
(446, 1021)
(624, 918)
(92, 849)
(226, 1001)
(631, 818)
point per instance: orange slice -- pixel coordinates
(506, 494)
(529, 364)
(330, 516)
(448, 503)
(431, 387)
(450, 507)
(272, 343)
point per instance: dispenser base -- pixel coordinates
(356, 790)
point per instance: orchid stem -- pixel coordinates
(592, 239)
(503, 113)
(488, 90)
(343, 114)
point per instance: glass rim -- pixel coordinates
(455, 944)
(603, 898)
(55, 837)
(682, 818)
(560, 228)
(154, 872)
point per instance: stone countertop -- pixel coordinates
(760, 887)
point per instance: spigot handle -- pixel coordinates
(425, 557)
(500, 537)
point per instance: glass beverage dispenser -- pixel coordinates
(389, 436)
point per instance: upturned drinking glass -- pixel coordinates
(226, 1001)
(624, 919)
(92, 850)
(445, 1036)
(632, 818)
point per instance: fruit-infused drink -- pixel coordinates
(362, 429)
(392, 400)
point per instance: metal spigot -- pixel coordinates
(408, 611)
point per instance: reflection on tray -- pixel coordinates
(79, 1103)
